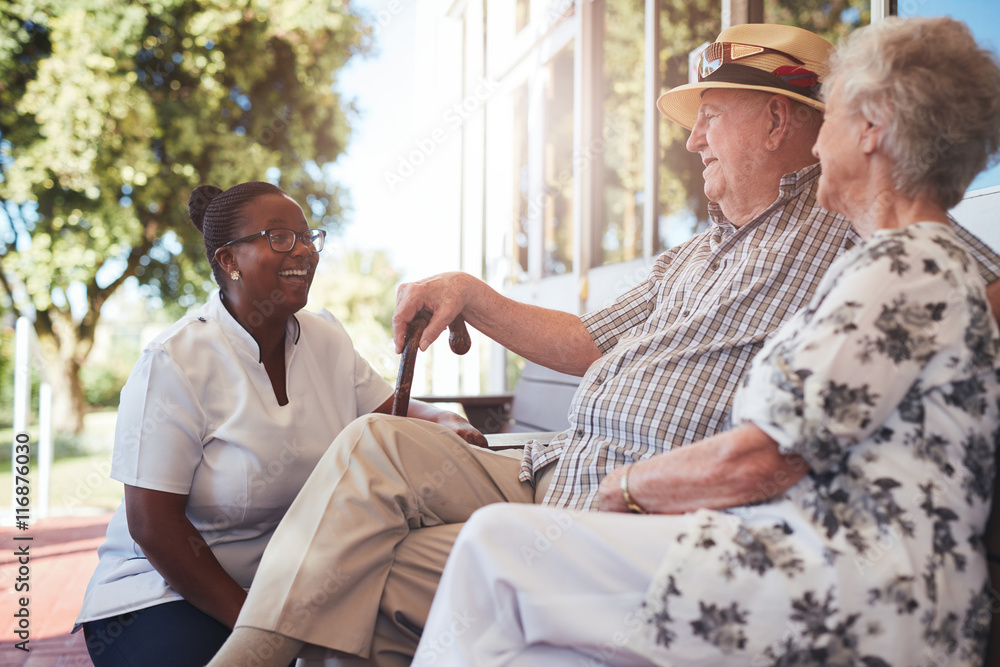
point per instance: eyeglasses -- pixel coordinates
(283, 240)
(718, 54)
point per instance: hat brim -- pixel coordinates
(681, 104)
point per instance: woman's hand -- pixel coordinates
(446, 418)
(171, 543)
(738, 467)
(462, 427)
(609, 494)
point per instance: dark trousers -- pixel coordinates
(174, 634)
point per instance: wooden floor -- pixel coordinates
(62, 556)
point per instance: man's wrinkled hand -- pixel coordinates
(443, 295)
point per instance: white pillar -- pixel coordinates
(42, 486)
(22, 395)
(651, 130)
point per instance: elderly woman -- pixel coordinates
(848, 529)
(221, 421)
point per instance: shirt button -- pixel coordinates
(713, 266)
(599, 380)
(579, 432)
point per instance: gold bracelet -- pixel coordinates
(632, 505)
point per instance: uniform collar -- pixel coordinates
(239, 336)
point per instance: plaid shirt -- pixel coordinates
(675, 347)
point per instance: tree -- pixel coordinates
(359, 288)
(832, 19)
(112, 112)
(684, 27)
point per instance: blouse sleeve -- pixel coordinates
(160, 428)
(836, 373)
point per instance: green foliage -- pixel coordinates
(359, 288)
(684, 26)
(106, 372)
(624, 118)
(6, 377)
(67, 446)
(64, 446)
(112, 112)
(102, 384)
(832, 19)
(356, 286)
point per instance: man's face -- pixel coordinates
(729, 134)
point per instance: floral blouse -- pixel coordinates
(887, 385)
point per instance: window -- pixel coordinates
(522, 186)
(830, 18)
(621, 160)
(557, 218)
(682, 207)
(522, 14)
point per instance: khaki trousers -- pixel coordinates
(354, 564)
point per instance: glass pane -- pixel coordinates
(983, 18)
(831, 19)
(519, 251)
(521, 14)
(682, 208)
(558, 165)
(622, 109)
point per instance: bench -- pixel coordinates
(539, 403)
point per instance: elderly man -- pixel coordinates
(354, 565)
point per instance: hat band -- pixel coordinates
(751, 76)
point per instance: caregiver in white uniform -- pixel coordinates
(221, 421)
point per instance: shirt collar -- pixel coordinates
(791, 185)
(240, 337)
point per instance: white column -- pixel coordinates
(22, 394)
(651, 123)
(44, 475)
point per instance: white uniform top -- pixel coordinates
(198, 416)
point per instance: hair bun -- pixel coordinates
(199, 201)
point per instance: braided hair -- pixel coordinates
(218, 215)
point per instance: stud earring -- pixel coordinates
(235, 274)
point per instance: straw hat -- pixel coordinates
(743, 57)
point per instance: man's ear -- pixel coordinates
(779, 121)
